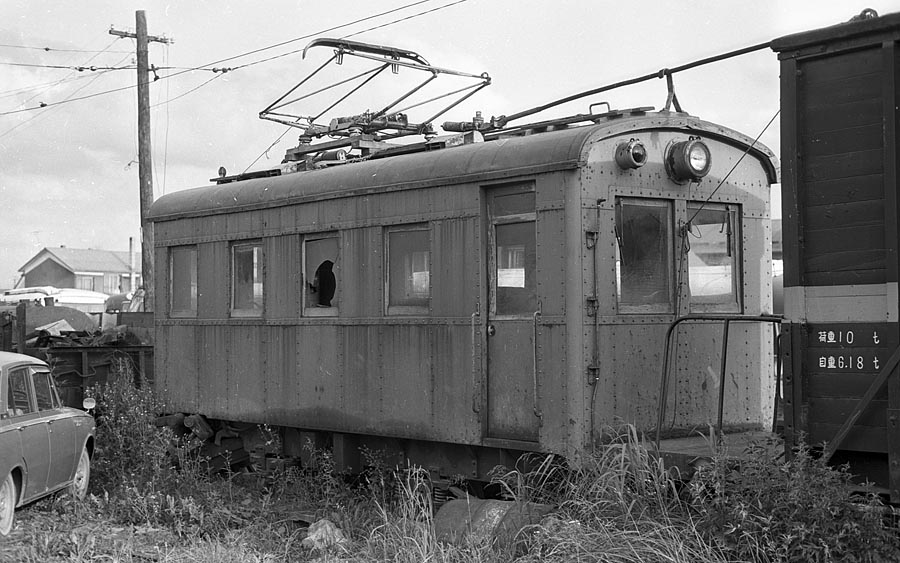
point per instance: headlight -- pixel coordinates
(631, 154)
(688, 160)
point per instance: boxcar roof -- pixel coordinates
(491, 160)
(870, 30)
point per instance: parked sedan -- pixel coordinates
(44, 446)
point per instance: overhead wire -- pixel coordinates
(71, 67)
(47, 85)
(42, 113)
(54, 49)
(254, 51)
(301, 38)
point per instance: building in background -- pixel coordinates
(105, 271)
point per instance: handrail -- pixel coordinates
(534, 401)
(476, 381)
(664, 379)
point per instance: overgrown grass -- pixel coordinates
(152, 500)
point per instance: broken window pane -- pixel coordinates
(183, 280)
(247, 281)
(644, 262)
(321, 272)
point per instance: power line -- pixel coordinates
(272, 58)
(68, 67)
(53, 49)
(203, 67)
(404, 19)
(43, 113)
(70, 78)
(192, 90)
(301, 38)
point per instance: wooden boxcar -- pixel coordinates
(840, 99)
(459, 306)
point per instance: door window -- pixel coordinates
(515, 268)
(19, 400)
(43, 392)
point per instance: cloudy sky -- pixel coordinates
(68, 139)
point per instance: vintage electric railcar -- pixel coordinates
(462, 305)
(840, 89)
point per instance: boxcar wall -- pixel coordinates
(840, 99)
(480, 303)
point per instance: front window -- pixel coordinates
(321, 271)
(644, 258)
(84, 282)
(409, 270)
(247, 280)
(713, 257)
(183, 280)
(111, 284)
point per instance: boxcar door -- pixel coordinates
(511, 376)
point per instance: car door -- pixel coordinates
(60, 426)
(33, 432)
(512, 378)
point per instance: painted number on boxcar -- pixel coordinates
(849, 347)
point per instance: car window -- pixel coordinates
(43, 391)
(19, 400)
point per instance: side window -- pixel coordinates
(408, 270)
(713, 261)
(19, 400)
(644, 256)
(183, 281)
(44, 391)
(321, 272)
(247, 279)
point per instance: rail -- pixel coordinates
(664, 379)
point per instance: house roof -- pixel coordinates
(84, 260)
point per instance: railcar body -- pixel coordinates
(840, 94)
(487, 299)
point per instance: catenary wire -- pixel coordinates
(52, 49)
(42, 113)
(202, 67)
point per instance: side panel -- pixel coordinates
(362, 265)
(283, 277)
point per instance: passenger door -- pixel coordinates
(61, 430)
(512, 401)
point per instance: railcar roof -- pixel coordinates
(495, 159)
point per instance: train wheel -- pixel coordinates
(82, 477)
(7, 505)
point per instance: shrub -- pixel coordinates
(798, 510)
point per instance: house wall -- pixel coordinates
(49, 273)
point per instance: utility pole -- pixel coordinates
(145, 171)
